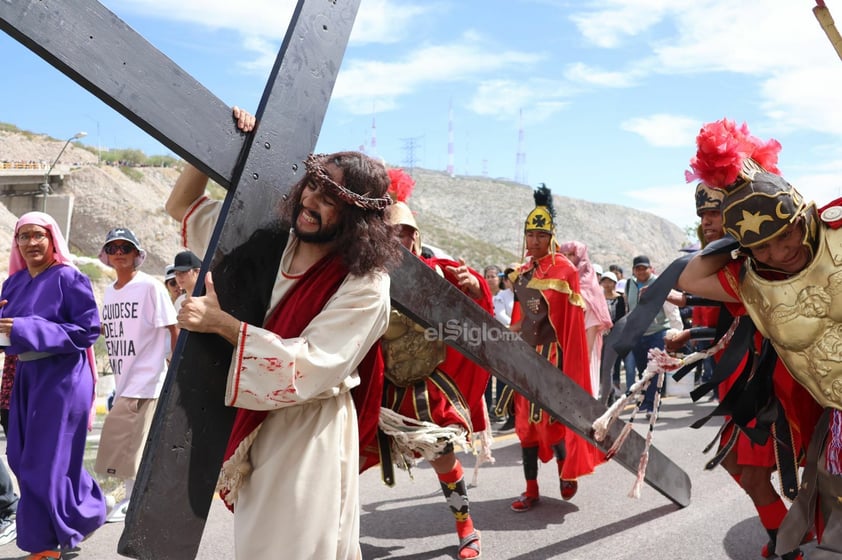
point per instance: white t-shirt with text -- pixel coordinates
(134, 323)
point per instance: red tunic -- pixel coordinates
(468, 377)
(455, 398)
(558, 283)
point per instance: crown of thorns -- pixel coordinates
(316, 170)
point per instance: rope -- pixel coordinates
(413, 439)
(659, 363)
(481, 442)
(236, 468)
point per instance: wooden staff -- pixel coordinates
(826, 21)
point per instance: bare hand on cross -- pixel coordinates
(466, 281)
(245, 120)
(203, 314)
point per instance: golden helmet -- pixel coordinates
(541, 218)
(399, 214)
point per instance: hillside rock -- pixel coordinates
(482, 219)
(105, 197)
(28, 146)
(476, 218)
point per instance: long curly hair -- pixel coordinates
(368, 243)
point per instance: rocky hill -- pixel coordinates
(105, 197)
(476, 218)
(482, 220)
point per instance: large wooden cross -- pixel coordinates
(181, 462)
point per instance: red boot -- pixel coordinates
(569, 488)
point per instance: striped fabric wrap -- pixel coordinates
(834, 446)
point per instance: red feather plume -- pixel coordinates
(401, 184)
(721, 148)
(766, 154)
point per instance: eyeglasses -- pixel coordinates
(119, 248)
(37, 236)
(172, 283)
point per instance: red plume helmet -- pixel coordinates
(723, 147)
(399, 214)
(758, 204)
(402, 184)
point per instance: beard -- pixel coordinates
(321, 236)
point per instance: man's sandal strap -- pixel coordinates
(470, 542)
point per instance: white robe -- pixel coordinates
(301, 498)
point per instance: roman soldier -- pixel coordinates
(432, 395)
(549, 314)
(784, 275)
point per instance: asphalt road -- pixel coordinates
(412, 522)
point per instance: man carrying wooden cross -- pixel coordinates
(291, 466)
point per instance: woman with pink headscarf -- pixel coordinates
(51, 318)
(597, 317)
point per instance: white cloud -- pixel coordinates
(616, 20)
(377, 21)
(669, 202)
(363, 82)
(385, 21)
(586, 74)
(749, 36)
(664, 130)
(505, 99)
(768, 35)
(268, 18)
(265, 54)
(806, 97)
(778, 43)
(821, 187)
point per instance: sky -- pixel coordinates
(601, 100)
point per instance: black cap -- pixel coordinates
(186, 260)
(641, 260)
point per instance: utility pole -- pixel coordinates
(410, 150)
(520, 157)
(98, 142)
(45, 188)
(373, 152)
(450, 169)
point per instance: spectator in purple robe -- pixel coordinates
(50, 315)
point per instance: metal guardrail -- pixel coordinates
(23, 165)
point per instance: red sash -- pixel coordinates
(299, 306)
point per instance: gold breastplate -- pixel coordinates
(802, 316)
(409, 353)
